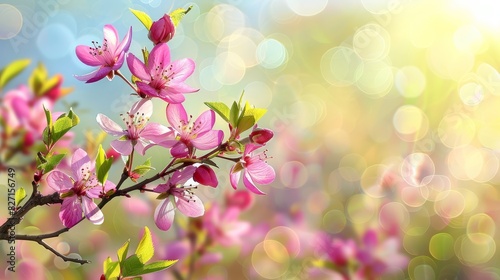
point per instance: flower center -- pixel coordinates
(102, 53)
(135, 123)
(161, 75)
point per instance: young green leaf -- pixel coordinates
(111, 269)
(157, 266)
(234, 114)
(143, 168)
(12, 70)
(178, 14)
(100, 157)
(48, 116)
(61, 126)
(143, 18)
(132, 266)
(102, 165)
(19, 195)
(52, 162)
(145, 250)
(37, 78)
(122, 252)
(220, 108)
(245, 123)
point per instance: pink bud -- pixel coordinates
(112, 153)
(162, 30)
(261, 136)
(205, 176)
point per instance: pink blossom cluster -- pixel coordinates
(157, 77)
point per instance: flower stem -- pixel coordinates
(119, 74)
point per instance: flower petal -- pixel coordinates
(205, 122)
(123, 147)
(159, 56)
(234, 177)
(176, 116)
(247, 181)
(137, 68)
(85, 55)
(125, 43)
(171, 97)
(164, 215)
(109, 126)
(95, 75)
(178, 88)
(181, 177)
(110, 36)
(179, 150)
(208, 140)
(157, 133)
(143, 107)
(91, 211)
(182, 69)
(71, 211)
(261, 172)
(192, 208)
(80, 165)
(59, 181)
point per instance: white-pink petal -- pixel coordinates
(205, 121)
(182, 68)
(192, 208)
(157, 133)
(123, 147)
(143, 107)
(261, 172)
(164, 215)
(249, 184)
(110, 36)
(234, 177)
(59, 181)
(80, 165)
(208, 140)
(91, 211)
(109, 126)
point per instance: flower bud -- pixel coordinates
(241, 199)
(261, 136)
(162, 30)
(205, 176)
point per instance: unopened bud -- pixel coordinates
(205, 176)
(261, 136)
(162, 30)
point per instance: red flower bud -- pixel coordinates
(162, 30)
(261, 136)
(205, 176)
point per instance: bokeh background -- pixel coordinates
(385, 115)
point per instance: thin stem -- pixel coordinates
(66, 259)
(119, 74)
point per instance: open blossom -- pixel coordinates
(138, 132)
(161, 77)
(189, 135)
(254, 168)
(224, 226)
(177, 193)
(79, 191)
(108, 57)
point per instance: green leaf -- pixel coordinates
(111, 269)
(245, 123)
(178, 14)
(48, 84)
(143, 168)
(122, 252)
(157, 266)
(257, 113)
(48, 116)
(12, 70)
(145, 55)
(132, 266)
(100, 158)
(143, 18)
(37, 78)
(61, 126)
(20, 195)
(52, 162)
(75, 120)
(102, 165)
(241, 98)
(220, 108)
(145, 250)
(234, 114)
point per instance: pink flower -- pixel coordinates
(79, 191)
(254, 168)
(138, 131)
(160, 77)
(177, 194)
(108, 57)
(162, 30)
(223, 227)
(198, 134)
